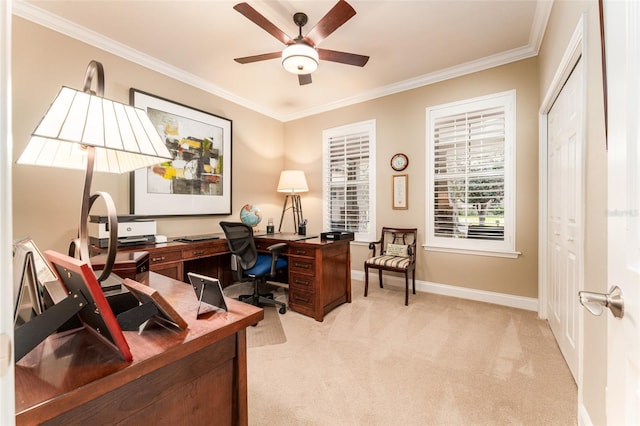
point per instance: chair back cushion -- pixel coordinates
(401, 250)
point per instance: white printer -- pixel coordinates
(131, 231)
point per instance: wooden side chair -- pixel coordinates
(397, 248)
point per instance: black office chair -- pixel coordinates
(254, 265)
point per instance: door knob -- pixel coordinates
(596, 302)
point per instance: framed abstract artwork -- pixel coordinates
(198, 179)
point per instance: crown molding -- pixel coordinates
(70, 29)
(423, 80)
(540, 21)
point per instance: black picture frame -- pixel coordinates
(198, 180)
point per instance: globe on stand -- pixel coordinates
(250, 215)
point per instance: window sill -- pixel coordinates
(506, 254)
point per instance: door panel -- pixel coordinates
(622, 37)
(564, 217)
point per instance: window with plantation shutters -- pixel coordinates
(349, 179)
(470, 200)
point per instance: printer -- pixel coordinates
(131, 231)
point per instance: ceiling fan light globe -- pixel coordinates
(300, 59)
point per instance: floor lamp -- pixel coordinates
(292, 182)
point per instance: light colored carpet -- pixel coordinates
(269, 331)
(439, 361)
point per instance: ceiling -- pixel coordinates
(410, 44)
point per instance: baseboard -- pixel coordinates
(527, 303)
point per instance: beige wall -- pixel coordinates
(46, 201)
(562, 23)
(400, 127)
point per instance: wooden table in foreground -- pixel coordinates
(196, 376)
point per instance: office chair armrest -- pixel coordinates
(275, 250)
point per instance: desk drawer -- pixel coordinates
(298, 264)
(301, 301)
(262, 245)
(156, 257)
(203, 251)
(302, 251)
(301, 282)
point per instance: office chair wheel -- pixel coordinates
(282, 310)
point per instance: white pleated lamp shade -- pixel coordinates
(123, 136)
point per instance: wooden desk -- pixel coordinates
(196, 376)
(319, 272)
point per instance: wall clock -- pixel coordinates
(399, 162)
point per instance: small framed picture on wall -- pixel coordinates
(400, 187)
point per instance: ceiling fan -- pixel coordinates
(301, 56)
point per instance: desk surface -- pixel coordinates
(70, 369)
(283, 236)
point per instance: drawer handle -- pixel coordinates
(158, 259)
(302, 265)
(301, 252)
(198, 252)
(303, 282)
(303, 299)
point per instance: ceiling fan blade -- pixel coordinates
(338, 15)
(256, 58)
(304, 79)
(255, 17)
(343, 57)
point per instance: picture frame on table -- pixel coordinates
(400, 189)
(164, 312)
(28, 296)
(31, 275)
(198, 179)
(94, 313)
(43, 269)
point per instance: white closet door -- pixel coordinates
(564, 215)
